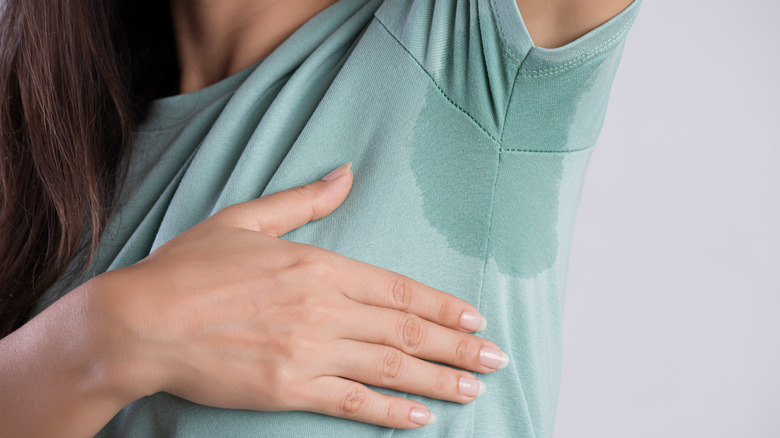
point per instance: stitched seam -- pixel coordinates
(532, 151)
(580, 59)
(486, 254)
(436, 84)
(506, 114)
(506, 111)
(508, 105)
(504, 45)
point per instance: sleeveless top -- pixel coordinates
(469, 148)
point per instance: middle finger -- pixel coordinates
(424, 339)
(388, 367)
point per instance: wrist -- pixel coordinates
(122, 364)
(65, 365)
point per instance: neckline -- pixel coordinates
(165, 111)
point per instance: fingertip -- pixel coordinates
(471, 387)
(493, 358)
(472, 321)
(332, 190)
(422, 417)
(339, 172)
(482, 324)
(339, 181)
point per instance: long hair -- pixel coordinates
(75, 77)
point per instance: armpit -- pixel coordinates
(555, 23)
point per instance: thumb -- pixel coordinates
(281, 212)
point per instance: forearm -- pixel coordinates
(58, 377)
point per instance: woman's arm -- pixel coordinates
(228, 315)
(555, 23)
(58, 374)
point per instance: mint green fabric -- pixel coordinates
(469, 147)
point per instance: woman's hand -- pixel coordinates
(229, 315)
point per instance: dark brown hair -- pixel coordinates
(75, 77)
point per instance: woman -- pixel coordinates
(469, 139)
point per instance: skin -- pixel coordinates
(216, 38)
(227, 301)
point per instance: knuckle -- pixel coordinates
(288, 270)
(392, 412)
(293, 273)
(464, 351)
(390, 367)
(276, 382)
(442, 384)
(410, 332)
(400, 293)
(353, 402)
(308, 263)
(444, 312)
(316, 265)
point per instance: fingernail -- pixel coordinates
(338, 173)
(472, 321)
(422, 417)
(471, 387)
(492, 358)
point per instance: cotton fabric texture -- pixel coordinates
(469, 147)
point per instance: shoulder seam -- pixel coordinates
(504, 44)
(506, 111)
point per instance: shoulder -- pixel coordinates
(555, 23)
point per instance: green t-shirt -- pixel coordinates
(469, 147)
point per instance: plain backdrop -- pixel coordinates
(672, 315)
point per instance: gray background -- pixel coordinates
(672, 318)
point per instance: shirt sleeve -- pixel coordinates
(560, 95)
(477, 52)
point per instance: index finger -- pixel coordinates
(376, 286)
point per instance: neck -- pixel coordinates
(217, 38)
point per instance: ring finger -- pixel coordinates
(388, 367)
